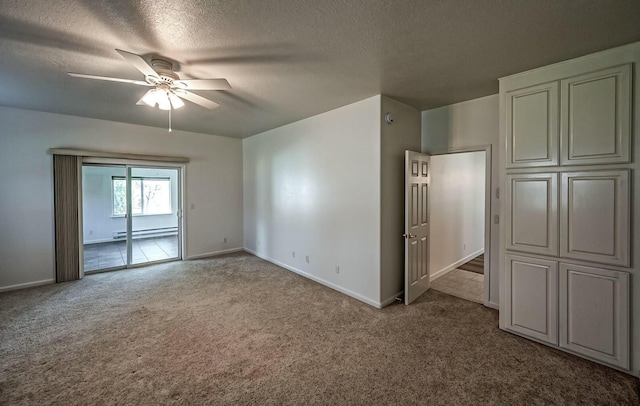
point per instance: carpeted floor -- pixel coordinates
(475, 265)
(238, 330)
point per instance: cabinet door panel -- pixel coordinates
(532, 126)
(532, 213)
(532, 297)
(596, 117)
(594, 318)
(595, 216)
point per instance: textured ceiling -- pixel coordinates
(290, 59)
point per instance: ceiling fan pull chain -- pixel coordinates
(170, 120)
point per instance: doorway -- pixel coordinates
(131, 215)
(460, 223)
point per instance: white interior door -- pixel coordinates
(417, 174)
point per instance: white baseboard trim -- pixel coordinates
(453, 266)
(213, 254)
(100, 240)
(391, 299)
(318, 280)
(492, 305)
(26, 285)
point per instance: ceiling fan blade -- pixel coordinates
(194, 98)
(109, 79)
(138, 62)
(205, 84)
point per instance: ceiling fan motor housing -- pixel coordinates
(166, 75)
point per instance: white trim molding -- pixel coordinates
(453, 266)
(27, 285)
(319, 280)
(118, 155)
(390, 300)
(214, 254)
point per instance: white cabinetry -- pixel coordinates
(532, 305)
(594, 313)
(532, 213)
(532, 132)
(567, 171)
(594, 217)
(596, 117)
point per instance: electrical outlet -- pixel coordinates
(307, 259)
(225, 240)
(293, 254)
(90, 232)
(337, 268)
(192, 206)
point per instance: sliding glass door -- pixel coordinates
(131, 215)
(103, 217)
(154, 209)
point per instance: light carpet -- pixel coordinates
(239, 330)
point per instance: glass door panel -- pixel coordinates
(154, 219)
(104, 209)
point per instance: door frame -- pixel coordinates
(487, 210)
(128, 164)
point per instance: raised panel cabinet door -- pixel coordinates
(594, 216)
(532, 297)
(594, 313)
(532, 213)
(532, 126)
(596, 117)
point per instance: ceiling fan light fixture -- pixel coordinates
(167, 89)
(150, 98)
(176, 102)
(163, 100)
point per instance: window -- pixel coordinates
(148, 196)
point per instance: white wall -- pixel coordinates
(99, 224)
(213, 184)
(313, 188)
(457, 210)
(402, 135)
(470, 124)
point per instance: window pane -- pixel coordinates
(119, 197)
(148, 196)
(157, 196)
(136, 196)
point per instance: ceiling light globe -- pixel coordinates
(150, 98)
(176, 102)
(163, 101)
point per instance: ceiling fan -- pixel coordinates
(168, 89)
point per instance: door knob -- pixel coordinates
(407, 236)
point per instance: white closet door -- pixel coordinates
(532, 213)
(532, 126)
(594, 216)
(531, 302)
(596, 117)
(594, 313)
